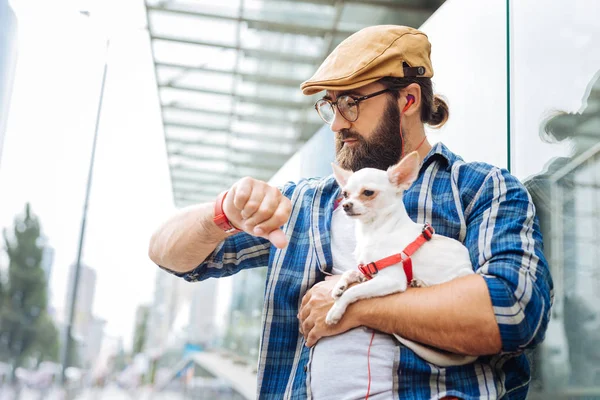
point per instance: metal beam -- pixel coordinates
(389, 4)
(271, 102)
(184, 201)
(211, 145)
(255, 78)
(194, 192)
(329, 40)
(201, 181)
(254, 53)
(257, 23)
(259, 119)
(277, 157)
(213, 113)
(235, 135)
(226, 175)
(196, 127)
(264, 166)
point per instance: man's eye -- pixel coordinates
(345, 194)
(368, 193)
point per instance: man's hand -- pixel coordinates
(315, 305)
(258, 209)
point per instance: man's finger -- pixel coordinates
(307, 327)
(305, 299)
(252, 203)
(310, 340)
(266, 208)
(278, 238)
(278, 217)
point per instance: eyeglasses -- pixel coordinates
(347, 105)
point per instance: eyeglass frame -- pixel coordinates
(356, 100)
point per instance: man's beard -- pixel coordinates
(381, 150)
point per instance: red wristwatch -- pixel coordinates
(220, 218)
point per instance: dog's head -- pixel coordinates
(370, 190)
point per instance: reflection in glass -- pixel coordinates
(567, 198)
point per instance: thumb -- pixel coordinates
(278, 238)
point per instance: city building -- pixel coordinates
(8, 61)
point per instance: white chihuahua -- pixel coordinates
(388, 242)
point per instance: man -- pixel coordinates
(496, 313)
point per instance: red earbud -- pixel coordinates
(410, 99)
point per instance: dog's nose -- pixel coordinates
(347, 206)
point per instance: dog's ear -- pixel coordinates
(405, 172)
(341, 175)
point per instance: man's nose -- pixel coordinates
(347, 206)
(339, 122)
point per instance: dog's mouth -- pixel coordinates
(352, 214)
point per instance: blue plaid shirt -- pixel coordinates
(482, 206)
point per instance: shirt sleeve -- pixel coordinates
(237, 252)
(505, 244)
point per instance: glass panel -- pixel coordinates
(191, 134)
(272, 91)
(194, 55)
(195, 118)
(227, 8)
(202, 80)
(555, 136)
(200, 100)
(356, 16)
(194, 28)
(277, 69)
(469, 62)
(291, 12)
(286, 43)
(249, 127)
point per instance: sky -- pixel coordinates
(48, 141)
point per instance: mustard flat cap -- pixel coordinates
(371, 54)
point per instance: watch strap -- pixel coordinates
(220, 218)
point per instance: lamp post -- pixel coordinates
(74, 284)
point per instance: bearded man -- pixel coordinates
(297, 232)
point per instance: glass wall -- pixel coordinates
(555, 150)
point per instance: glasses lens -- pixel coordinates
(325, 110)
(348, 108)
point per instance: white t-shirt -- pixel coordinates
(339, 369)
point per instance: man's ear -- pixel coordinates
(341, 175)
(403, 174)
(413, 90)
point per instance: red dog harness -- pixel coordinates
(371, 269)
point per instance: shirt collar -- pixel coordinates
(440, 152)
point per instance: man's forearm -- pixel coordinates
(455, 316)
(186, 239)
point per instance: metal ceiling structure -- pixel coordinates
(229, 73)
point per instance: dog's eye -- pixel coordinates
(345, 194)
(368, 193)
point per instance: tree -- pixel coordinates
(46, 346)
(25, 328)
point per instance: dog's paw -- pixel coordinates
(338, 291)
(334, 315)
(416, 283)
